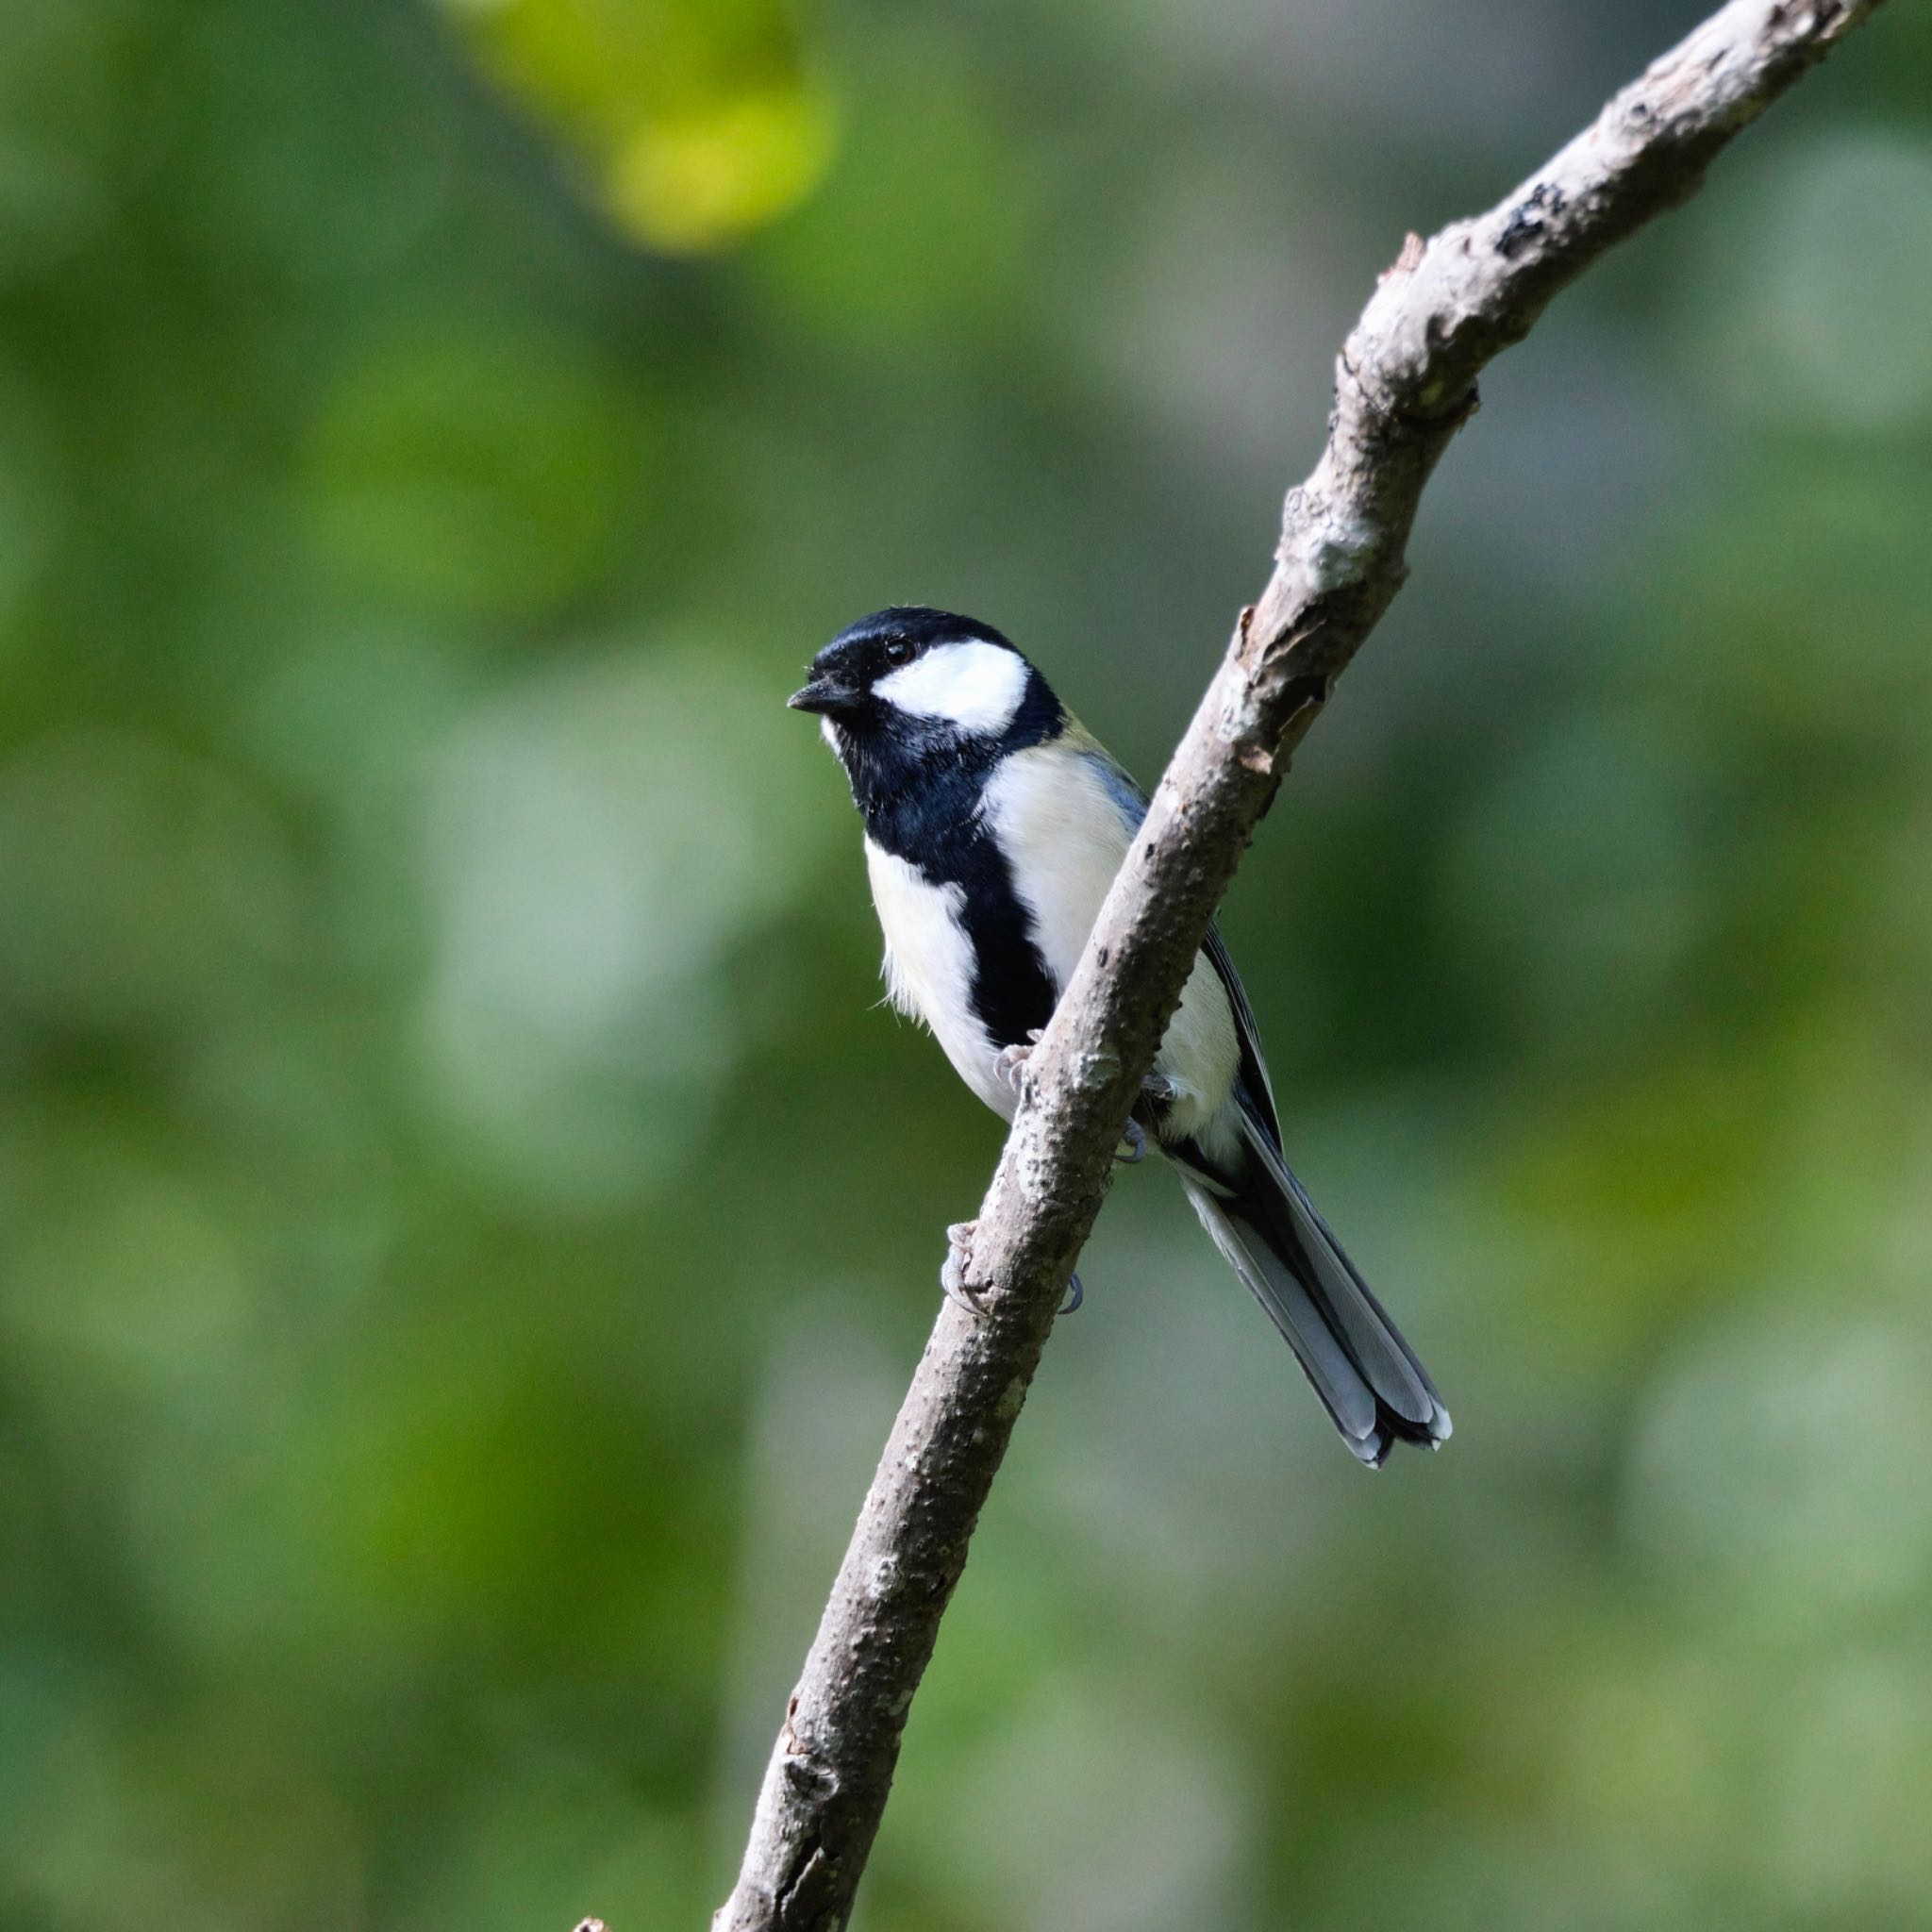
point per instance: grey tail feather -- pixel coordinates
(1356, 1360)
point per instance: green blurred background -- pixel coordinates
(466, 1222)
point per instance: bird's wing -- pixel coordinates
(1253, 1088)
(1256, 1090)
(1128, 796)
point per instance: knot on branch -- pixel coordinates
(1529, 219)
(808, 1775)
(1096, 1071)
(802, 1765)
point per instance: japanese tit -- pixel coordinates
(994, 824)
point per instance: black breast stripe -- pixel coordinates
(922, 805)
(1011, 990)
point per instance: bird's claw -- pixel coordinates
(958, 1258)
(1009, 1060)
(1158, 1089)
(960, 1238)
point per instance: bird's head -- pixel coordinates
(924, 682)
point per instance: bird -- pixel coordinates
(994, 824)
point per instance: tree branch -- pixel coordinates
(1405, 384)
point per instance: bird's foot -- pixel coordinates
(1158, 1089)
(958, 1258)
(1011, 1061)
(960, 1238)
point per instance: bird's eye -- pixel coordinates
(899, 651)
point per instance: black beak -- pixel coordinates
(823, 694)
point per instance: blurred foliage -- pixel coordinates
(695, 116)
(464, 1223)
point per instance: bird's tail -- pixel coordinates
(1367, 1377)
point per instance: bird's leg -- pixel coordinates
(958, 1258)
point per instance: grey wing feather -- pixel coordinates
(1126, 795)
(1254, 1072)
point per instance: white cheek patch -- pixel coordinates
(975, 685)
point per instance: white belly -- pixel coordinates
(929, 970)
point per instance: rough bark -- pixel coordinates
(1405, 383)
